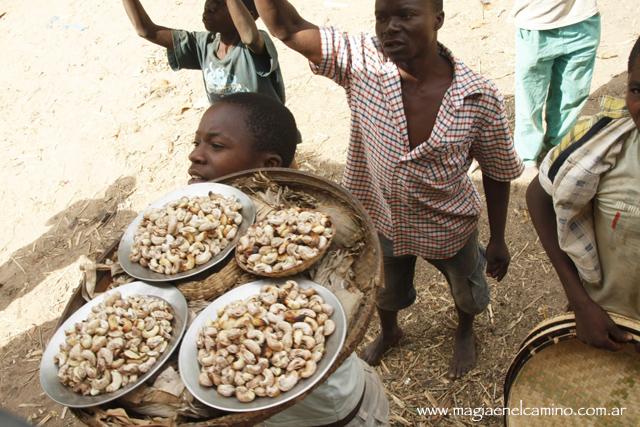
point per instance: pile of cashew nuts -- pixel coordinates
(121, 339)
(284, 240)
(186, 233)
(264, 345)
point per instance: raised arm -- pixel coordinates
(593, 325)
(144, 25)
(284, 23)
(246, 26)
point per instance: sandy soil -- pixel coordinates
(95, 126)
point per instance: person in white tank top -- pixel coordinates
(550, 14)
(556, 43)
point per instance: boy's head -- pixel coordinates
(633, 84)
(215, 16)
(405, 27)
(242, 131)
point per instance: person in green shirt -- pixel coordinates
(232, 53)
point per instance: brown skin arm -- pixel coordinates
(284, 23)
(593, 324)
(498, 257)
(246, 26)
(145, 27)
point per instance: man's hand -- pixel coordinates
(497, 194)
(594, 327)
(498, 259)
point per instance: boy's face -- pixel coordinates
(224, 145)
(404, 27)
(633, 93)
(215, 16)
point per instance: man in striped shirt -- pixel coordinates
(419, 117)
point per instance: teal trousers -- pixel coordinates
(553, 79)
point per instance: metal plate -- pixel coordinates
(190, 368)
(48, 370)
(193, 190)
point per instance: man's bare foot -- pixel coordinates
(464, 353)
(374, 351)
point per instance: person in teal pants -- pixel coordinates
(556, 45)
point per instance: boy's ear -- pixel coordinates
(272, 160)
(439, 20)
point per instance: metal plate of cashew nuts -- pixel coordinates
(48, 370)
(188, 358)
(194, 190)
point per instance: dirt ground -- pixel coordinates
(96, 126)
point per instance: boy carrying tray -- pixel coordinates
(245, 131)
(585, 206)
(419, 116)
(233, 54)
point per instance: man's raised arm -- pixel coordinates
(284, 23)
(144, 25)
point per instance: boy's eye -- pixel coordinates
(635, 90)
(196, 143)
(215, 145)
(407, 14)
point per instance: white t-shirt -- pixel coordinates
(550, 14)
(329, 402)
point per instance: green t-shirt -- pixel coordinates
(239, 71)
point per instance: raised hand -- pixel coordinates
(145, 27)
(284, 23)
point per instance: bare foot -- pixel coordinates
(464, 353)
(374, 351)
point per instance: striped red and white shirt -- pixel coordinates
(421, 199)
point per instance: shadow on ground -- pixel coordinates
(84, 228)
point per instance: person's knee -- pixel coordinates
(398, 291)
(469, 306)
(391, 300)
(470, 297)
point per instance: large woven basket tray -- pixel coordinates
(355, 235)
(554, 371)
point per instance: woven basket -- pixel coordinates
(554, 370)
(355, 235)
(304, 266)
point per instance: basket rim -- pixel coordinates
(556, 329)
